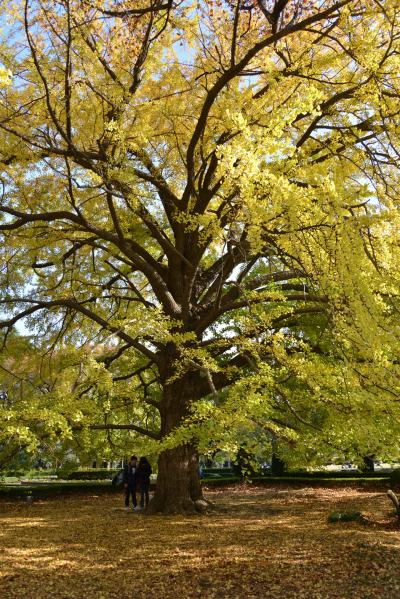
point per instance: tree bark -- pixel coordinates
(178, 481)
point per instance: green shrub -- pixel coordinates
(91, 474)
(345, 517)
(67, 467)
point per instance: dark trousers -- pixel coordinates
(144, 493)
(130, 490)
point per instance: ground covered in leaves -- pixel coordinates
(259, 543)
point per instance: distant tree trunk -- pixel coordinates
(369, 465)
(278, 466)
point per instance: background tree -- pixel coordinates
(204, 197)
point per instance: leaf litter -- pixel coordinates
(270, 542)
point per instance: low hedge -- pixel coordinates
(45, 489)
(27, 473)
(329, 474)
(13, 473)
(83, 474)
(92, 474)
(316, 474)
(340, 474)
(37, 490)
(382, 481)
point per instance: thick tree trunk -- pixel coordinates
(278, 466)
(178, 482)
(368, 465)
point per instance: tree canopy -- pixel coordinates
(199, 221)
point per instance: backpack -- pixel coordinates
(118, 480)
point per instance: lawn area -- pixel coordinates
(260, 543)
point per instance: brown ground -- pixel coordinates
(262, 543)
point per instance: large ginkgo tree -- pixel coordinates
(199, 222)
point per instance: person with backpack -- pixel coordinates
(143, 481)
(129, 480)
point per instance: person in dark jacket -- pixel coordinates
(130, 482)
(143, 480)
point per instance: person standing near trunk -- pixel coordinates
(143, 480)
(129, 480)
